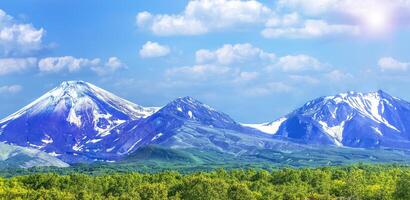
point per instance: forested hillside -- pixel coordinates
(352, 182)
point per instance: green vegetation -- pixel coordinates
(349, 182)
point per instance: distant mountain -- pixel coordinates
(79, 122)
(368, 120)
(69, 120)
(12, 156)
(187, 123)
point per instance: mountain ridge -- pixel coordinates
(79, 122)
(333, 119)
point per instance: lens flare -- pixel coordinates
(376, 18)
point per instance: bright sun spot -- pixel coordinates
(376, 19)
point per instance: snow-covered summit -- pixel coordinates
(69, 118)
(350, 119)
(192, 109)
(74, 96)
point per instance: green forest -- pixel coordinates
(337, 182)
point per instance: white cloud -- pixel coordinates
(391, 64)
(238, 53)
(199, 72)
(317, 7)
(286, 20)
(153, 49)
(17, 38)
(253, 71)
(269, 88)
(10, 89)
(310, 29)
(15, 65)
(72, 64)
(372, 16)
(143, 18)
(297, 63)
(305, 79)
(58, 64)
(247, 76)
(202, 16)
(338, 75)
(113, 64)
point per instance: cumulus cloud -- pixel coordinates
(237, 53)
(73, 64)
(285, 18)
(113, 64)
(372, 16)
(16, 65)
(226, 63)
(391, 64)
(18, 38)
(199, 72)
(310, 29)
(268, 88)
(340, 17)
(231, 64)
(338, 75)
(247, 76)
(304, 79)
(253, 71)
(70, 63)
(297, 63)
(203, 16)
(317, 7)
(153, 49)
(10, 89)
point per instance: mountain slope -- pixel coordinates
(352, 119)
(12, 156)
(187, 123)
(69, 120)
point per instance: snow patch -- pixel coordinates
(157, 136)
(94, 141)
(110, 149)
(47, 140)
(54, 154)
(377, 130)
(269, 128)
(77, 147)
(335, 132)
(132, 147)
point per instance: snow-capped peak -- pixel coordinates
(73, 96)
(192, 109)
(269, 127)
(371, 105)
(348, 119)
(81, 113)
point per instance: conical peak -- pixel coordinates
(353, 94)
(67, 83)
(76, 85)
(188, 101)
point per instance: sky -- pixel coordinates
(254, 60)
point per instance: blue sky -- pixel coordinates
(255, 60)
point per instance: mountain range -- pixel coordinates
(78, 122)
